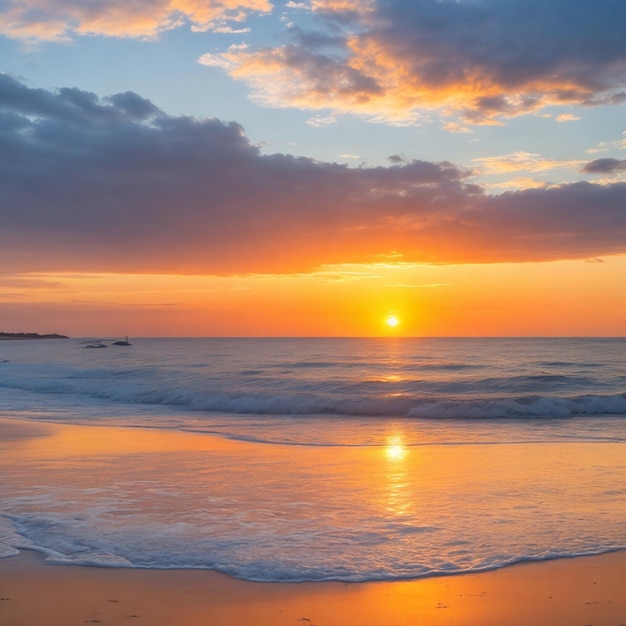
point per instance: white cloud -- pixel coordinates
(215, 60)
(522, 161)
(567, 117)
(321, 120)
(455, 127)
(229, 30)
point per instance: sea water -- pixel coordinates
(314, 459)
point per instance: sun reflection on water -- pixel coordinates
(398, 497)
(395, 449)
(392, 378)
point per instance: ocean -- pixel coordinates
(313, 459)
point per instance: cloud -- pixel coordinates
(214, 60)
(455, 127)
(116, 185)
(388, 60)
(27, 282)
(604, 146)
(321, 120)
(60, 20)
(487, 60)
(521, 161)
(567, 117)
(520, 182)
(419, 286)
(229, 30)
(605, 166)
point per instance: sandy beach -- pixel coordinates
(569, 592)
(580, 591)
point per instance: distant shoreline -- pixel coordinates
(13, 336)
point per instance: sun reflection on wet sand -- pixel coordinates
(395, 450)
(399, 498)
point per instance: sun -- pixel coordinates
(392, 321)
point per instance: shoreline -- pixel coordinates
(562, 592)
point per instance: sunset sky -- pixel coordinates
(261, 167)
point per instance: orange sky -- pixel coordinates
(549, 298)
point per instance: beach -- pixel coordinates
(182, 483)
(567, 592)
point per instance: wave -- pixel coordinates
(356, 399)
(87, 540)
(525, 407)
(73, 551)
(576, 364)
(453, 387)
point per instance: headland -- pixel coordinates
(13, 336)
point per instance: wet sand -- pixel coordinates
(568, 592)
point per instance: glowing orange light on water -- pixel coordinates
(395, 449)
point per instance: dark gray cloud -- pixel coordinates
(117, 185)
(513, 43)
(605, 166)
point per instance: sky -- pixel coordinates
(313, 167)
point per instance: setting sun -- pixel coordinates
(392, 321)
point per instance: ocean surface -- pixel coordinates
(313, 459)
